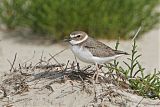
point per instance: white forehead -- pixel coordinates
(74, 35)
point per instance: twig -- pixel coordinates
(9, 104)
(87, 68)
(57, 53)
(49, 88)
(139, 29)
(30, 58)
(4, 91)
(81, 78)
(52, 57)
(66, 65)
(139, 102)
(41, 57)
(12, 64)
(117, 43)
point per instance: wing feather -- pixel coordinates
(98, 49)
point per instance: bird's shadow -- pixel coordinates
(74, 75)
(48, 75)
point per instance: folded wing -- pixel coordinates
(99, 49)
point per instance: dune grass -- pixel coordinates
(146, 85)
(58, 18)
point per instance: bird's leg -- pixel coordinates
(78, 67)
(97, 68)
(95, 73)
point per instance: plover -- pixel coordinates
(90, 50)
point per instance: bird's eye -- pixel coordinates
(78, 36)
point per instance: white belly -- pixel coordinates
(84, 55)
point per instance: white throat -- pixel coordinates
(74, 42)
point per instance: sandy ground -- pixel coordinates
(31, 51)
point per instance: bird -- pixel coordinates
(92, 51)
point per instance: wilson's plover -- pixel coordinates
(90, 50)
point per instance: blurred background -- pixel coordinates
(55, 19)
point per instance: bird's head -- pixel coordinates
(77, 37)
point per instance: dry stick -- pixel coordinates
(30, 58)
(139, 102)
(139, 29)
(57, 53)
(19, 100)
(41, 57)
(36, 82)
(52, 57)
(87, 68)
(4, 91)
(66, 65)
(12, 64)
(49, 88)
(20, 66)
(81, 78)
(40, 62)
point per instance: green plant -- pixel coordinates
(144, 85)
(12, 13)
(147, 86)
(100, 18)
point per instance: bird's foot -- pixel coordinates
(94, 79)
